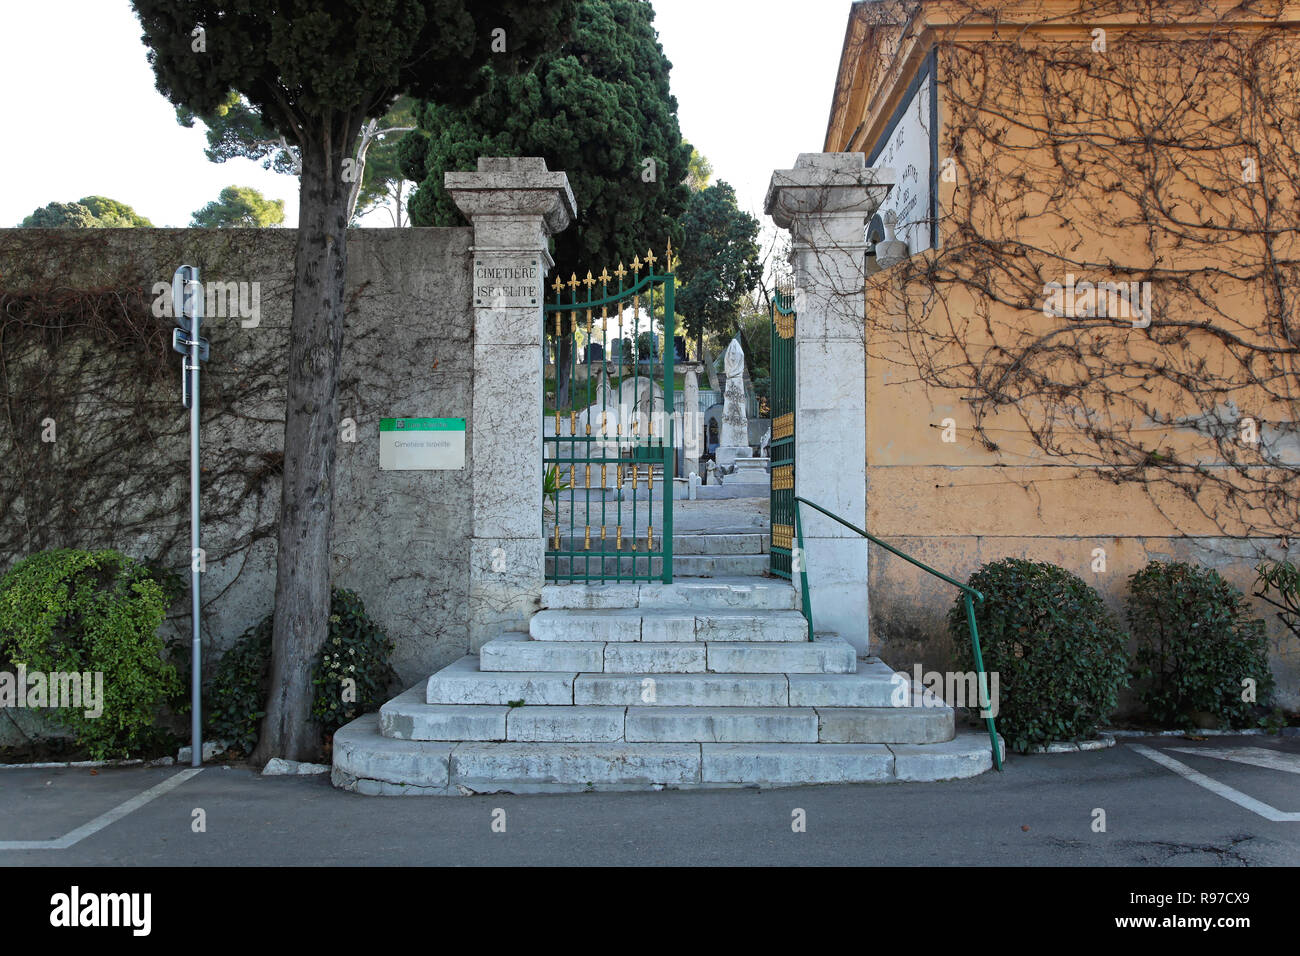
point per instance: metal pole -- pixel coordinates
(196, 723)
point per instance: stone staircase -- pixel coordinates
(705, 682)
(705, 555)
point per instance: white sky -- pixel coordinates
(80, 115)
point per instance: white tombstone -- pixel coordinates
(692, 427)
(733, 442)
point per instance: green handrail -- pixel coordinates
(969, 594)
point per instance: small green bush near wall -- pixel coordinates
(235, 698)
(351, 675)
(1199, 649)
(92, 612)
(1059, 653)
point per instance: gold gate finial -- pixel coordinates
(650, 259)
(636, 264)
(620, 271)
(559, 285)
(573, 280)
(603, 277)
(589, 281)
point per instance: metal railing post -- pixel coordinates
(969, 594)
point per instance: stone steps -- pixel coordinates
(684, 545)
(518, 652)
(367, 762)
(408, 717)
(720, 593)
(684, 565)
(632, 686)
(638, 625)
(872, 685)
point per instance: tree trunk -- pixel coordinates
(302, 585)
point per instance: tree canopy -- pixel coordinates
(240, 207)
(719, 261)
(598, 108)
(89, 212)
(236, 129)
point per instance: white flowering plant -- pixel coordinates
(351, 674)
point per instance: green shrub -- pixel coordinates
(356, 649)
(1059, 653)
(1197, 643)
(93, 612)
(351, 673)
(235, 698)
(1279, 584)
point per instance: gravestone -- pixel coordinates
(733, 443)
(692, 428)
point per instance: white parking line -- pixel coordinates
(1212, 785)
(104, 819)
(1254, 756)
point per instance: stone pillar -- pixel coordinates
(514, 205)
(825, 201)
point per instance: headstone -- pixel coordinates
(694, 480)
(692, 426)
(734, 440)
(712, 471)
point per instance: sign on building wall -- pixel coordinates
(909, 148)
(414, 444)
(507, 283)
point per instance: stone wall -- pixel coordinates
(401, 538)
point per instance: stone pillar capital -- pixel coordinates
(835, 185)
(514, 203)
(825, 201)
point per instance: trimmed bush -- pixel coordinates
(1059, 653)
(1197, 645)
(75, 611)
(351, 675)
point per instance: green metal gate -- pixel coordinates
(781, 449)
(609, 449)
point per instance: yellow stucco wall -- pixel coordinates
(995, 492)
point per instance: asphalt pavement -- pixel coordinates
(1160, 801)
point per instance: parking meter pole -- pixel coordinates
(196, 671)
(187, 305)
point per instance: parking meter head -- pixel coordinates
(187, 298)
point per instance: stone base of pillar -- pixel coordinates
(726, 455)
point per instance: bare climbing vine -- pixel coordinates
(93, 438)
(1165, 158)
